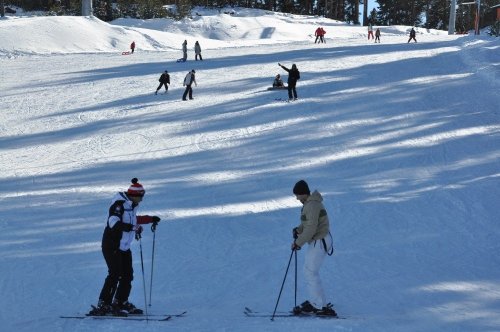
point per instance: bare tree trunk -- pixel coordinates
(365, 12)
(2, 9)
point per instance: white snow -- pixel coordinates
(401, 139)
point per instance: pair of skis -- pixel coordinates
(141, 317)
(251, 313)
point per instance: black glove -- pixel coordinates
(156, 220)
(295, 233)
(138, 231)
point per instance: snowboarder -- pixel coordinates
(164, 80)
(122, 226)
(188, 81)
(293, 77)
(278, 82)
(132, 47)
(370, 31)
(377, 35)
(412, 35)
(197, 51)
(319, 33)
(314, 229)
(184, 51)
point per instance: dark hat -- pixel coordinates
(166, 71)
(301, 188)
(193, 71)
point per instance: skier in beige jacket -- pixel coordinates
(314, 230)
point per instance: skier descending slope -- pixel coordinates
(122, 226)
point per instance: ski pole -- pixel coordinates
(283, 284)
(143, 278)
(153, 229)
(295, 278)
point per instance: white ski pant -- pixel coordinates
(315, 255)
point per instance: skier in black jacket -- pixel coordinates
(293, 76)
(164, 80)
(122, 226)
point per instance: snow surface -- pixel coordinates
(401, 139)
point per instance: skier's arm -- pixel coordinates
(285, 68)
(141, 220)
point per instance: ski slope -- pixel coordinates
(401, 139)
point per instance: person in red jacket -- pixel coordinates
(122, 226)
(132, 47)
(319, 33)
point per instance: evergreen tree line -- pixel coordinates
(432, 14)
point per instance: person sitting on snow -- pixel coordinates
(278, 82)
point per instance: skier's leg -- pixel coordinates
(110, 283)
(315, 255)
(127, 275)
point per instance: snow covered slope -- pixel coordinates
(401, 139)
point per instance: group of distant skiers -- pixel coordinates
(197, 51)
(320, 34)
(293, 73)
(189, 80)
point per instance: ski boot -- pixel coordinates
(129, 308)
(102, 309)
(327, 311)
(308, 308)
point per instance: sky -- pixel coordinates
(401, 139)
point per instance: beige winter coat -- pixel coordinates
(314, 223)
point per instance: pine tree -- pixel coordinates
(401, 12)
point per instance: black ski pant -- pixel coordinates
(198, 55)
(159, 86)
(292, 93)
(189, 91)
(118, 283)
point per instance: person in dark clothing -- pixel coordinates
(132, 47)
(188, 81)
(412, 35)
(278, 82)
(293, 77)
(377, 35)
(184, 51)
(164, 80)
(122, 226)
(197, 51)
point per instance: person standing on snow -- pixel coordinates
(184, 51)
(370, 31)
(314, 229)
(320, 33)
(377, 35)
(188, 81)
(293, 77)
(132, 47)
(164, 80)
(122, 226)
(412, 35)
(197, 51)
